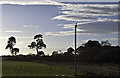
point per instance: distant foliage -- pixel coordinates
(92, 44)
(105, 43)
(91, 51)
(40, 53)
(54, 53)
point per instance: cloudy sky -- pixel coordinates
(55, 20)
(87, 0)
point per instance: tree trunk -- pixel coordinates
(37, 50)
(12, 52)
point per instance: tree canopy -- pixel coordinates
(10, 43)
(38, 43)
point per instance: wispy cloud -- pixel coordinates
(60, 25)
(74, 18)
(87, 12)
(30, 26)
(92, 19)
(20, 37)
(13, 31)
(89, 28)
(68, 33)
(116, 39)
(30, 2)
(62, 33)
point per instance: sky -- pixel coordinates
(87, 0)
(24, 19)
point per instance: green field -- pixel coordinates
(14, 68)
(23, 67)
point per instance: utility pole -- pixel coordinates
(75, 56)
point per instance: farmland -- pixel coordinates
(31, 67)
(14, 68)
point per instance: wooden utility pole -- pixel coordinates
(75, 56)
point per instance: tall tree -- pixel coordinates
(10, 43)
(38, 43)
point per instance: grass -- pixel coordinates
(100, 70)
(56, 69)
(16, 68)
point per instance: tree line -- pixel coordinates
(91, 51)
(37, 44)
